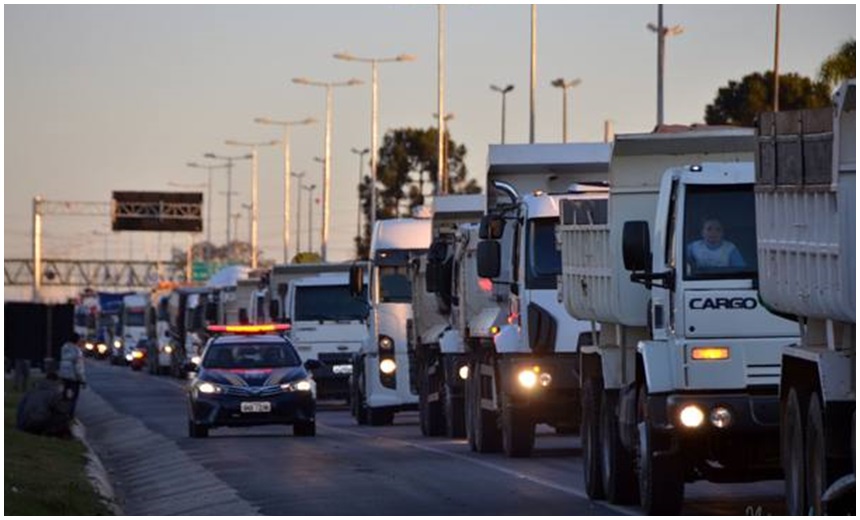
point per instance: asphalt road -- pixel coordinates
(361, 470)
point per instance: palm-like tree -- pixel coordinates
(840, 65)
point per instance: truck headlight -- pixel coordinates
(721, 417)
(117, 343)
(128, 357)
(692, 416)
(137, 354)
(527, 378)
(168, 349)
(387, 366)
(89, 345)
(386, 343)
(102, 348)
(464, 372)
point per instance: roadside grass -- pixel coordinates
(44, 475)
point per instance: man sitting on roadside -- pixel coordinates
(43, 411)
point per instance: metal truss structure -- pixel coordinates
(132, 274)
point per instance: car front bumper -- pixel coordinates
(214, 410)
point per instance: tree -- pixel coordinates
(739, 103)
(840, 65)
(406, 173)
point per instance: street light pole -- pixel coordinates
(229, 166)
(662, 32)
(564, 85)
(374, 116)
(286, 141)
(326, 188)
(209, 168)
(361, 154)
(298, 210)
(504, 92)
(255, 209)
(533, 76)
(310, 189)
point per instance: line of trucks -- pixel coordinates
(682, 299)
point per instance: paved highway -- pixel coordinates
(137, 424)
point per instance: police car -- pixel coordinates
(247, 376)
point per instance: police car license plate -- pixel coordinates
(256, 407)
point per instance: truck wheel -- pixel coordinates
(590, 438)
(616, 463)
(196, 431)
(485, 423)
(661, 475)
(792, 456)
(305, 429)
(455, 416)
(357, 406)
(379, 416)
(518, 430)
(432, 413)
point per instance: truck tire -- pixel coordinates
(661, 476)
(590, 438)
(357, 406)
(379, 416)
(485, 423)
(820, 471)
(305, 429)
(792, 455)
(518, 430)
(616, 463)
(431, 413)
(455, 414)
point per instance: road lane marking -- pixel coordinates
(489, 465)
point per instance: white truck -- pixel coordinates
(383, 375)
(682, 384)
(134, 316)
(280, 278)
(440, 370)
(528, 375)
(805, 218)
(327, 324)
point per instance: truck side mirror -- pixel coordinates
(489, 259)
(432, 275)
(211, 312)
(492, 227)
(636, 246)
(356, 280)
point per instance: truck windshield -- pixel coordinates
(328, 303)
(719, 232)
(395, 284)
(544, 260)
(135, 319)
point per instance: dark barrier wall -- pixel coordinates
(35, 331)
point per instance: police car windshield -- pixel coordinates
(719, 232)
(250, 355)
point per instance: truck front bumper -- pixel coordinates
(546, 385)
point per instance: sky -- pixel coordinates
(102, 98)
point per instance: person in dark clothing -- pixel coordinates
(43, 411)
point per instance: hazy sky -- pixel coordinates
(103, 98)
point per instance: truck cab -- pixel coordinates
(682, 384)
(135, 314)
(383, 379)
(528, 375)
(327, 324)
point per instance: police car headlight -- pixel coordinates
(303, 385)
(387, 366)
(208, 388)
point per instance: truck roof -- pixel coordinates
(693, 140)
(308, 269)
(548, 158)
(401, 233)
(322, 280)
(457, 204)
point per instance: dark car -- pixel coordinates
(248, 378)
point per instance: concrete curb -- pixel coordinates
(96, 471)
(166, 481)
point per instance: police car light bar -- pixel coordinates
(248, 329)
